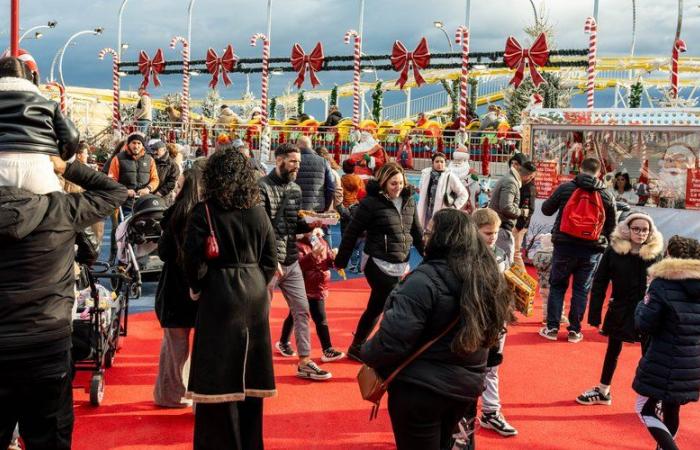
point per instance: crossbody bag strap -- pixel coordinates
(211, 227)
(419, 352)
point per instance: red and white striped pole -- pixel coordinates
(116, 116)
(591, 27)
(265, 73)
(61, 94)
(678, 48)
(185, 77)
(462, 37)
(356, 75)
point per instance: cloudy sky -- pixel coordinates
(149, 24)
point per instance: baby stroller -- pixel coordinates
(99, 319)
(137, 242)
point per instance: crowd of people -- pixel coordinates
(233, 232)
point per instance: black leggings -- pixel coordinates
(381, 285)
(663, 430)
(611, 356)
(317, 308)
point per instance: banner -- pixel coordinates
(546, 179)
(692, 189)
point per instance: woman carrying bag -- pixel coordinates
(458, 278)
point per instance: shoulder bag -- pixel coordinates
(211, 250)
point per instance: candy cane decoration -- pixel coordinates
(116, 116)
(61, 94)
(678, 47)
(185, 77)
(462, 37)
(265, 136)
(591, 27)
(356, 75)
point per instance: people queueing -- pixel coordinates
(579, 241)
(635, 245)
(175, 311)
(282, 199)
(429, 396)
(231, 370)
(669, 315)
(439, 189)
(388, 215)
(135, 170)
(315, 178)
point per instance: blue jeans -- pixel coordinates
(582, 266)
(142, 126)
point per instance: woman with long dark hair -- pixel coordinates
(388, 215)
(459, 277)
(231, 370)
(622, 189)
(175, 310)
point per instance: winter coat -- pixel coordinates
(232, 354)
(528, 196)
(557, 201)
(389, 233)
(316, 269)
(353, 189)
(30, 123)
(505, 199)
(174, 308)
(333, 119)
(286, 224)
(168, 173)
(628, 274)
(670, 316)
(418, 310)
(316, 180)
(450, 193)
(37, 279)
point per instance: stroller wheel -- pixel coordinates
(97, 389)
(109, 358)
(134, 291)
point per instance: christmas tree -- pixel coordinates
(377, 107)
(211, 105)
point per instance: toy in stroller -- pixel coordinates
(99, 319)
(137, 242)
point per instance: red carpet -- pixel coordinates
(539, 381)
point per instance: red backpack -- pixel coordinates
(584, 215)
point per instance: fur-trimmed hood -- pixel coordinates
(676, 269)
(652, 248)
(12, 84)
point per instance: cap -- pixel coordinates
(136, 137)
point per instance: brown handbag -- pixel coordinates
(373, 387)
(211, 250)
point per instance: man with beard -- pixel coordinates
(281, 197)
(673, 175)
(135, 170)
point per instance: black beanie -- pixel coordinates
(136, 137)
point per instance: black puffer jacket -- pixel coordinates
(30, 123)
(273, 190)
(557, 201)
(670, 316)
(390, 234)
(37, 238)
(418, 310)
(316, 181)
(628, 273)
(168, 172)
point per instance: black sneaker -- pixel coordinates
(575, 337)
(594, 397)
(497, 423)
(330, 354)
(312, 371)
(549, 333)
(354, 353)
(285, 349)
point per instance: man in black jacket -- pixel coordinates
(37, 282)
(315, 178)
(282, 199)
(572, 255)
(167, 169)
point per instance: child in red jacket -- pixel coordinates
(316, 258)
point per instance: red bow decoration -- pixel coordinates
(300, 60)
(401, 59)
(515, 57)
(225, 64)
(148, 66)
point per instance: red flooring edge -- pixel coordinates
(539, 381)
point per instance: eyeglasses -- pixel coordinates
(638, 230)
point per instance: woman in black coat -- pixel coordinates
(175, 310)
(669, 371)
(231, 370)
(388, 215)
(635, 245)
(458, 280)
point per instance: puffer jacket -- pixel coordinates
(316, 181)
(670, 316)
(390, 234)
(30, 123)
(168, 172)
(557, 201)
(418, 310)
(37, 279)
(272, 191)
(628, 274)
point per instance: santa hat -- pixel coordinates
(679, 150)
(26, 58)
(461, 153)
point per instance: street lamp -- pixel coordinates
(38, 35)
(97, 31)
(441, 26)
(189, 24)
(119, 30)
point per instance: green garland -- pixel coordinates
(377, 97)
(300, 103)
(473, 91)
(334, 96)
(273, 108)
(636, 95)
